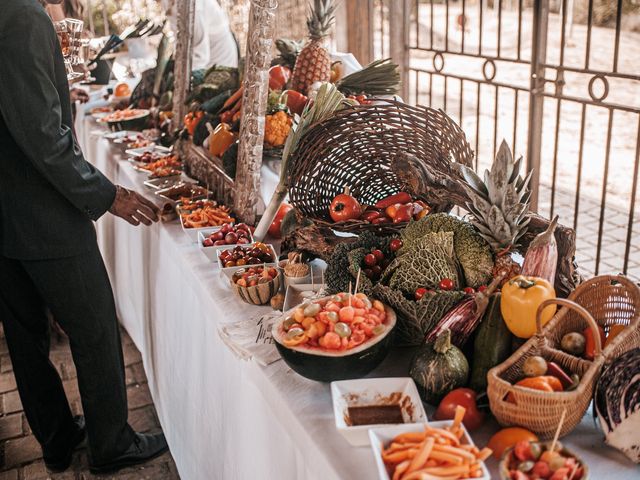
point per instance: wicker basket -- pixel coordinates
(610, 299)
(536, 410)
(355, 148)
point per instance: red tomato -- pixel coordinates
(465, 397)
(522, 451)
(274, 228)
(378, 254)
(296, 101)
(446, 284)
(482, 288)
(344, 207)
(395, 244)
(469, 290)
(420, 292)
(278, 77)
(370, 260)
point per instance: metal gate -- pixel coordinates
(559, 80)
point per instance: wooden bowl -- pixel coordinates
(259, 294)
(503, 468)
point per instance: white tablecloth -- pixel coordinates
(225, 418)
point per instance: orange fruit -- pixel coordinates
(122, 90)
(507, 438)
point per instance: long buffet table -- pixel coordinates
(225, 418)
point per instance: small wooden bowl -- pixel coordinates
(503, 468)
(259, 294)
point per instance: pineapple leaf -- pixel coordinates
(500, 173)
(473, 180)
(516, 170)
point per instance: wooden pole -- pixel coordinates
(399, 18)
(360, 15)
(182, 65)
(262, 20)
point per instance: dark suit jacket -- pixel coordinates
(48, 192)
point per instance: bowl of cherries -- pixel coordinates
(233, 259)
(227, 236)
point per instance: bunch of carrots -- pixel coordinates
(434, 454)
(231, 108)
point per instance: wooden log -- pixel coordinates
(254, 106)
(182, 66)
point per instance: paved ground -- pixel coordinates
(20, 454)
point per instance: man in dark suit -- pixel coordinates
(49, 257)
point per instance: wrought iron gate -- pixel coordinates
(561, 89)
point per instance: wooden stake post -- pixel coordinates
(182, 61)
(262, 16)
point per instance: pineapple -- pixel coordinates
(500, 206)
(314, 63)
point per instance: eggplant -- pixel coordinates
(617, 404)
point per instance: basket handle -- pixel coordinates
(576, 308)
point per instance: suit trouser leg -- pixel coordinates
(78, 293)
(26, 329)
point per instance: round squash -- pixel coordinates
(438, 368)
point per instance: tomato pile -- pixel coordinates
(396, 208)
(253, 255)
(374, 263)
(532, 460)
(339, 322)
(253, 276)
(229, 235)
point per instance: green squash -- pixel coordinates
(438, 368)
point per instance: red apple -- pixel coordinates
(231, 238)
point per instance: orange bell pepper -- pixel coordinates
(614, 330)
(544, 383)
(221, 139)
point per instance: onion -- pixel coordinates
(617, 404)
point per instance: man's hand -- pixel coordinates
(134, 208)
(78, 95)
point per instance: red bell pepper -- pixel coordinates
(400, 197)
(278, 77)
(295, 101)
(404, 213)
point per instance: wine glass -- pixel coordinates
(69, 32)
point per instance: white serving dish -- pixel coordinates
(159, 149)
(211, 252)
(113, 136)
(229, 271)
(298, 293)
(160, 183)
(374, 391)
(382, 436)
(193, 233)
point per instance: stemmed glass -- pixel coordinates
(69, 32)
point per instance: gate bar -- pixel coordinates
(536, 95)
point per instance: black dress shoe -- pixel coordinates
(60, 464)
(144, 448)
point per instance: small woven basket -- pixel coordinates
(601, 301)
(355, 147)
(537, 410)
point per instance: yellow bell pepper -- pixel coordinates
(221, 139)
(521, 297)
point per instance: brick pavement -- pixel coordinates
(20, 454)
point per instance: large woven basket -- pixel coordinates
(536, 410)
(601, 301)
(610, 299)
(355, 148)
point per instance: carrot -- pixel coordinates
(422, 456)
(236, 108)
(447, 457)
(396, 457)
(459, 415)
(400, 469)
(449, 470)
(410, 437)
(232, 99)
(484, 454)
(470, 457)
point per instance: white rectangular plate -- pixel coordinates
(382, 436)
(374, 391)
(211, 252)
(159, 149)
